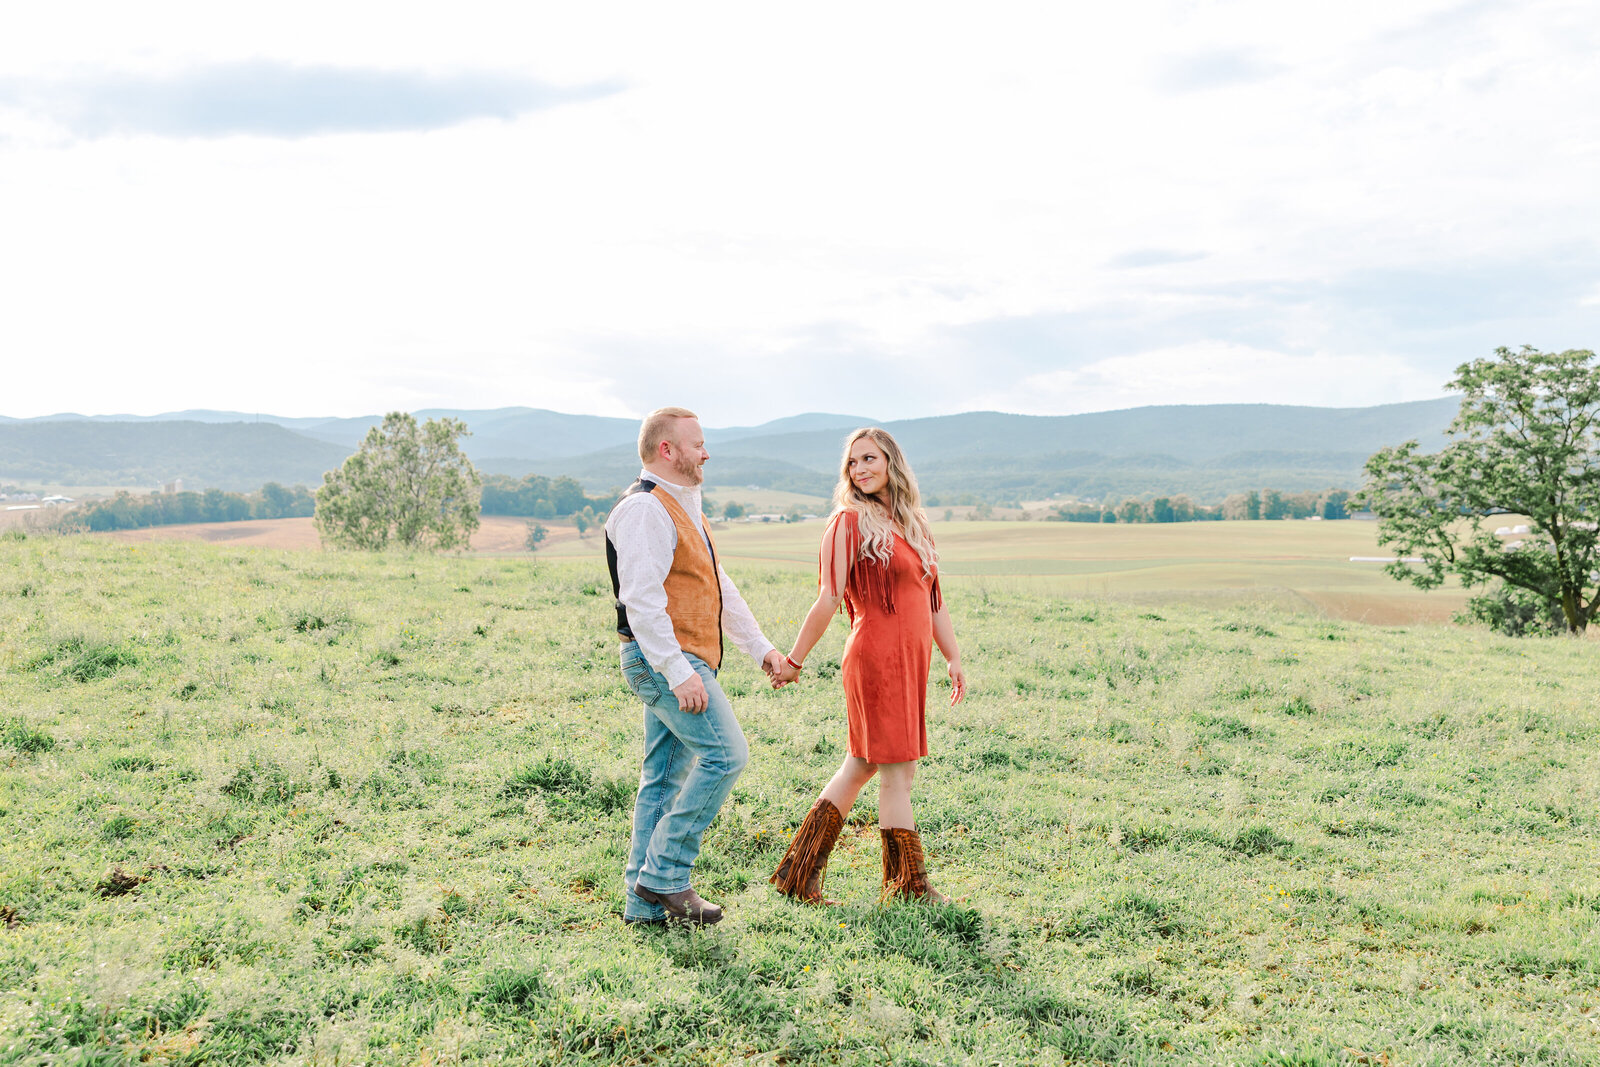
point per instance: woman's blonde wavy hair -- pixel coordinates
(905, 504)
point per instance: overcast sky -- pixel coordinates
(885, 209)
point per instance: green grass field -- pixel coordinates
(262, 806)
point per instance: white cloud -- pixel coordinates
(897, 172)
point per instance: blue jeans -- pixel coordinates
(690, 763)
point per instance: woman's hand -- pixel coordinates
(958, 683)
(786, 673)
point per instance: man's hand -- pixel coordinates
(691, 694)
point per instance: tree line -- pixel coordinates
(128, 512)
(538, 497)
(1255, 504)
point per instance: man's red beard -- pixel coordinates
(686, 467)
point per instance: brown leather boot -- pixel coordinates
(799, 873)
(905, 872)
(685, 905)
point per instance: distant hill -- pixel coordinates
(241, 456)
(529, 434)
(838, 424)
(1206, 450)
(525, 433)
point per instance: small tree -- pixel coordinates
(536, 535)
(406, 484)
(583, 520)
(733, 510)
(276, 501)
(1525, 443)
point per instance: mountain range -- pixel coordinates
(1205, 450)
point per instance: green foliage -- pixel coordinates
(552, 774)
(1259, 839)
(537, 532)
(1322, 504)
(31, 740)
(118, 827)
(560, 779)
(127, 512)
(84, 660)
(407, 484)
(1515, 612)
(261, 781)
(1525, 443)
(540, 497)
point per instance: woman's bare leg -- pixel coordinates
(847, 782)
(894, 794)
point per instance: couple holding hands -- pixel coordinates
(674, 603)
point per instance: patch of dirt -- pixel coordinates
(119, 882)
(1387, 610)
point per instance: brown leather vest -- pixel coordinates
(694, 592)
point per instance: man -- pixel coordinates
(673, 603)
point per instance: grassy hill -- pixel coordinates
(315, 807)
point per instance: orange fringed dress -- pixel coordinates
(890, 646)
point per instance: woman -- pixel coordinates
(878, 559)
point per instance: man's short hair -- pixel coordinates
(657, 427)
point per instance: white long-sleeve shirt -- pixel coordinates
(646, 539)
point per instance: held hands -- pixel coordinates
(778, 669)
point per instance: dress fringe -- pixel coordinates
(807, 856)
(868, 580)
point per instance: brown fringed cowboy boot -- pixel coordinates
(905, 872)
(799, 873)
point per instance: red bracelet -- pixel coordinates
(792, 663)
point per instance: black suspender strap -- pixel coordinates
(643, 485)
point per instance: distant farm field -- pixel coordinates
(1297, 566)
(764, 501)
(263, 806)
(497, 534)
